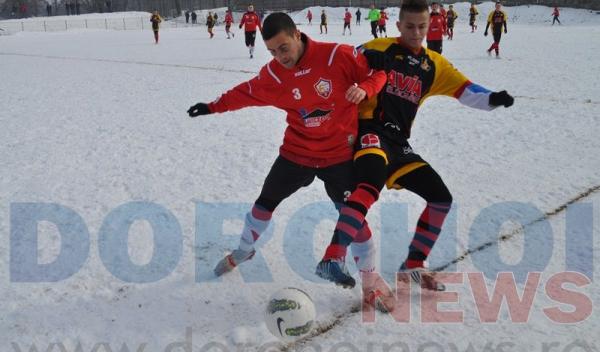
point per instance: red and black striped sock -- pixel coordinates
(351, 220)
(427, 232)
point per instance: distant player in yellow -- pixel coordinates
(156, 20)
(497, 19)
(473, 17)
(383, 155)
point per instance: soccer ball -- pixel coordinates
(290, 314)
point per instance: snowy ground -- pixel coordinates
(92, 120)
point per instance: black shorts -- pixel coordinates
(435, 45)
(346, 25)
(373, 138)
(250, 38)
(287, 177)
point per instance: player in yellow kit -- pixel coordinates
(383, 155)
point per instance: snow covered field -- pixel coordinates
(93, 127)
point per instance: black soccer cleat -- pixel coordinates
(336, 272)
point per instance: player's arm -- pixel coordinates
(259, 91)
(489, 22)
(368, 82)
(374, 52)
(504, 17)
(450, 82)
(242, 21)
(258, 23)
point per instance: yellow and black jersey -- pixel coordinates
(412, 78)
(497, 19)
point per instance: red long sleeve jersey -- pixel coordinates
(250, 21)
(437, 27)
(322, 124)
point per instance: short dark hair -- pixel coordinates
(413, 6)
(276, 23)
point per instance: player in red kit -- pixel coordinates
(319, 86)
(228, 22)
(250, 21)
(381, 25)
(347, 21)
(437, 28)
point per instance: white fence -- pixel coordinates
(50, 25)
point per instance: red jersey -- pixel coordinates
(443, 12)
(250, 21)
(555, 13)
(347, 17)
(309, 15)
(322, 124)
(228, 19)
(382, 18)
(437, 26)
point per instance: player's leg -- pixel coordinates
(284, 179)
(497, 37)
(371, 171)
(427, 183)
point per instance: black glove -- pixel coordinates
(505, 31)
(501, 98)
(200, 109)
(485, 33)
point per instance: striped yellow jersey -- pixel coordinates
(412, 78)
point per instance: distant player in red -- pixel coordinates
(309, 17)
(319, 86)
(437, 29)
(250, 21)
(555, 14)
(496, 19)
(382, 22)
(347, 21)
(443, 11)
(228, 22)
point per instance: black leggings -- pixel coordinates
(423, 181)
(287, 177)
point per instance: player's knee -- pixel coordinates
(371, 169)
(440, 195)
(266, 203)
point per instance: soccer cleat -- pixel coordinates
(335, 271)
(232, 260)
(375, 297)
(423, 277)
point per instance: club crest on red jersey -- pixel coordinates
(324, 87)
(370, 140)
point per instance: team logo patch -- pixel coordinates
(324, 87)
(370, 140)
(425, 65)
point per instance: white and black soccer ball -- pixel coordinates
(290, 314)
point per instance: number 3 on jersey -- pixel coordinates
(296, 93)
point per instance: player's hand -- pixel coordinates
(505, 31)
(501, 98)
(355, 95)
(199, 109)
(485, 33)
